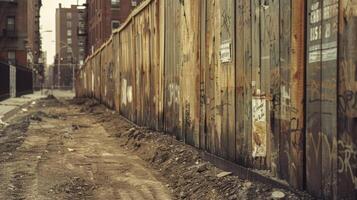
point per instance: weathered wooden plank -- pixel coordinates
(173, 112)
(256, 5)
(210, 76)
(259, 137)
(190, 71)
(116, 71)
(231, 125)
(203, 69)
(329, 31)
(247, 81)
(270, 78)
(285, 92)
(313, 98)
(347, 98)
(227, 76)
(240, 84)
(275, 80)
(218, 82)
(297, 85)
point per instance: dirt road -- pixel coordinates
(53, 151)
(78, 149)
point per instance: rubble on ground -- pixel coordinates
(187, 174)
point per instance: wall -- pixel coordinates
(269, 84)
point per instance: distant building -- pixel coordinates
(20, 42)
(103, 17)
(70, 42)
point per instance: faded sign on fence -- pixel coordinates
(259, 137)
(226, 55)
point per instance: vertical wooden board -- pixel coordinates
(190, 71)
(329, 32)
(99, 77)
(153, 65)
(167, 63)
(240, 80)
(222, 105)
(161, 26)
(124, 60)
(137, 35)
(297, 82)
(111, 74)
(313, 98)
(285, 92)
(270, 77)
(116, 71)
(172, 111)
(259, 137)
(132, 87)
(255, 9)
(275, 81)
(178, 54)
(102, 76)
(90, 77)
(227, 60)
(347, 98)
(210, 61)
(217, 81)
(203, 125)
(247, 81)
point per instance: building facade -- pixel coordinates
(20, 42)
(103, 17)
(70, 42)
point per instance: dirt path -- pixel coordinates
(54, 151)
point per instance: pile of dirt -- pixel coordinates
(187, 174)
(50, 101)
(74, 188)
(39, 115)
(78, 101)
(12, 136)
(89, 105)
(50, 96)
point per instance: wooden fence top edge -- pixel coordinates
(135, 12)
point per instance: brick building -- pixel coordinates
(103, 17)
(70, 42)
(20, 42)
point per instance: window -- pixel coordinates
(10, 25)
(69, 24)
(69, 41)
(115, 3)
(69, 49)
(133, 3)
(69, 16)
(115, 24)
(11, 57)
(69, 33)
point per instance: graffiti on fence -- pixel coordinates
(347, 160)
(174, 94)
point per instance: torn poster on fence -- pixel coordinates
(259, 133)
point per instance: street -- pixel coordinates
(78, 149)
(55, 152)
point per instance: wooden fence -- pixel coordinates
(267, 84)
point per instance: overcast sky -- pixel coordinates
(48, 22)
